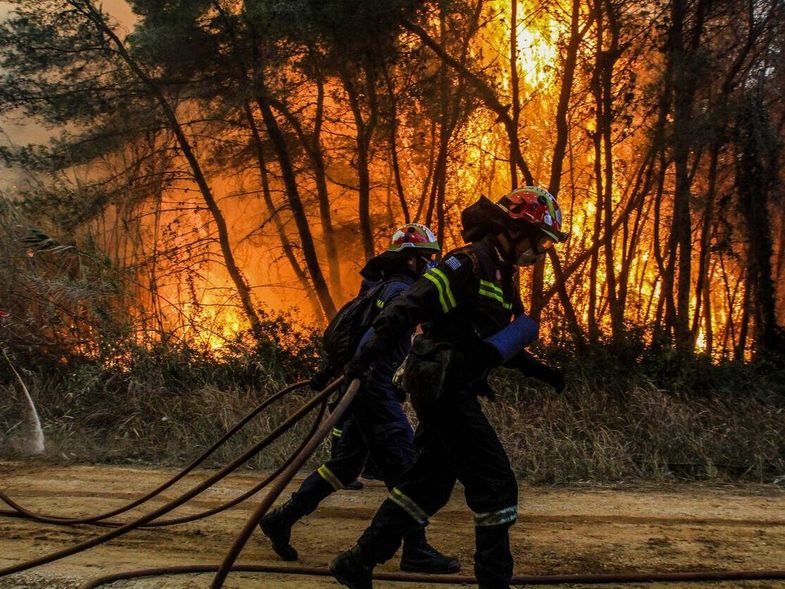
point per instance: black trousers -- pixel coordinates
(377, 428)
(454, 441)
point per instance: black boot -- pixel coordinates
(420, 557)
(350, 570)
(277, 526)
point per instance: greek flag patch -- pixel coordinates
(453, 262)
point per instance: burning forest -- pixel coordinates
(213, 164)
(547, 234)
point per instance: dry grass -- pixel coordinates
(618, 427)
(594, 433)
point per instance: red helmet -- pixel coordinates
(536, 206)
(414, 235)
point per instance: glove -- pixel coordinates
(360, 364)
(534, 368)
(321, 379)
(358, 368)
(555, 378)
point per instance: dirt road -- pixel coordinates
(561, 530)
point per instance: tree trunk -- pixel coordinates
(276, 219)
(295, 203)
(363, 133)
(396, 166)
(314, 150)
(312, 146)
(705, 240)
(514, 85)
(756, 176)
(174, 125)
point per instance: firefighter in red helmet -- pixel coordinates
(473, 320)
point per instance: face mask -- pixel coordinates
(529, 258)
(423, 264)
(532, 255)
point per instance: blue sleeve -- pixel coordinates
(511, 340)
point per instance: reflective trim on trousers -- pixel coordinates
(409, 506)
(507, 515)
(337, 433)
(330, 477)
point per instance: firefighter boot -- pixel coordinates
(277, 526)
(350, 569)
(418, 556)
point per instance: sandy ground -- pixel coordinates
(560, 531)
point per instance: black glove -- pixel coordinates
(321, 379)
(532, 367)
(357, 368)
(360, 364)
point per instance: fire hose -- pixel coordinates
(322, 398)
(281, 478)
(20, 511)
(517, 580)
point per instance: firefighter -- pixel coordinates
(376, 425)
(473, 320)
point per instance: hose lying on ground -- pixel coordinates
(282, 481)
(21, 511)
(320, 398)
(288, 470)
(517, 580)
(214, 510)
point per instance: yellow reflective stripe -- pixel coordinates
(444, 298)
(380, 303)
(337, 432)
(496, 518)
(330, 477)
(491, 286)
(409, 506)
(447, 289)
(493, 294)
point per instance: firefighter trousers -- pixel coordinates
(454, 441)
(375, 427)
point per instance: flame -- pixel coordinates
(537, 52)
(199, 302)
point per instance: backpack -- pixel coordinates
(345, 331)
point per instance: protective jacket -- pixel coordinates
(380, 379)
(472, 294)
